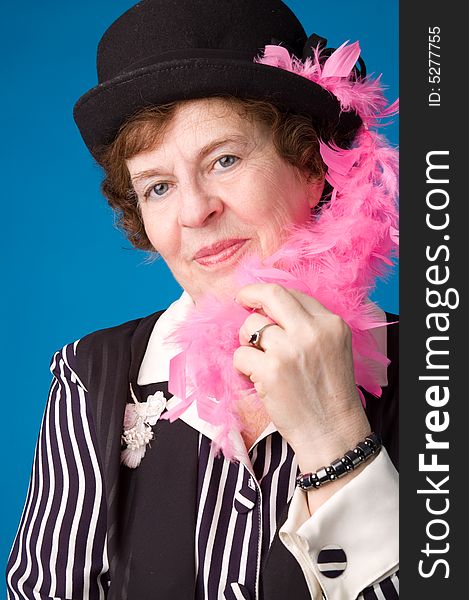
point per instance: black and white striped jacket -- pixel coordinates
(94, 529)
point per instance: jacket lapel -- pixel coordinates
(151, 510)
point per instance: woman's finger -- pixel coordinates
(254, 323)
(249, 361)
(288, 308)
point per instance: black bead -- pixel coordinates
(353, 457)
(365, 449)
(339, 467)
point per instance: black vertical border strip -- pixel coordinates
(425, 128)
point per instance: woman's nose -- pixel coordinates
(198, 204)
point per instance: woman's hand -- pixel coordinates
(303, 374)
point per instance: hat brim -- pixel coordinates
(102, 110)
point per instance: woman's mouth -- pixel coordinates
(220, 252)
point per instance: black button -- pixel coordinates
(332, 561)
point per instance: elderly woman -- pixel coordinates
(257, 472)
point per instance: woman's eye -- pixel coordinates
(158, 190)
(227, 161)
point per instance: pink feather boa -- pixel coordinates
(335, 258)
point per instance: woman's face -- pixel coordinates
(212, 191)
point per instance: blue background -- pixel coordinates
(66, 269)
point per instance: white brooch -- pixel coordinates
(138, 420)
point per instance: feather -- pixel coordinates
(337, 159)
(341, 62)
(277, 56)
(394, 235)
(364, 96)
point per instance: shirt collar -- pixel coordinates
(160, 350)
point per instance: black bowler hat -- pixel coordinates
(160, 51)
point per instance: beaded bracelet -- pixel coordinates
(341, 466)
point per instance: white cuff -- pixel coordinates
(362, 519)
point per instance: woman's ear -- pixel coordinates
(315, 189)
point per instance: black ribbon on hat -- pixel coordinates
(316, 42)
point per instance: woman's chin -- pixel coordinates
(223, 288)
